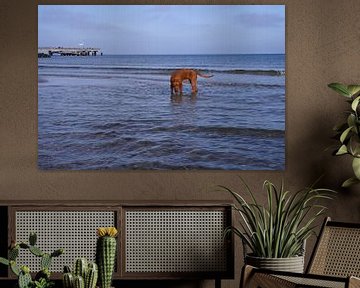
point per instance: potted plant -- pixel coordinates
(276, 233)
(42, 278)
(84, 274)
(348, 132)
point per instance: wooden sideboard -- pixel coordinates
(157, 240)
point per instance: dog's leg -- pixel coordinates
(193, 83)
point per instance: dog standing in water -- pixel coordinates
(178, 76)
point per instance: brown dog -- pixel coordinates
(178, 76)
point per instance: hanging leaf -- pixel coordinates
(345, 134)
(340, 88)
(355, 103)
(354, 145)
(342, 150)
(348, 132)
(349, 182)
(356, 167)
(351, 120)
(353, 89)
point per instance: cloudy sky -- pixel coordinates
(169, 29)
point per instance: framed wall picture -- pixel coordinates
(161, 87)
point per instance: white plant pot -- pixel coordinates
(291, 264)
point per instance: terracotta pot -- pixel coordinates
(291, 264)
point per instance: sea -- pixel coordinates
(117, 112)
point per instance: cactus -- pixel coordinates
(88, 273)
(91, 276)
(79, 282)
(57, 253)
(24, 277)
(106, 254)
(4, 261)
(24, 246)
(42, 278)
(32, 238)
(68, 280)
(45, 261)
(13, 253)
(24, 280)
(80, 268)
(36, 251)
(14, 268)
(67, 269)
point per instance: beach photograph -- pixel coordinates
(161, 87)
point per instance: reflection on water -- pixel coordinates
(183, 98)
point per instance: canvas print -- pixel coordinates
(161, 87)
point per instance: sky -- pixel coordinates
(164, 29)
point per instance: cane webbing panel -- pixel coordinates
(74, 231)
(338, 252)
(267, 280)
(313, 282)
(175, 241)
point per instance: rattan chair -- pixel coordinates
(334, 263)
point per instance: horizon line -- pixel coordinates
(188, 54)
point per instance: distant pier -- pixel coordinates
(64, 51)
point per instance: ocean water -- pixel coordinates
(117, 112)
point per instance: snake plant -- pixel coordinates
(279, 228)
(348, 132)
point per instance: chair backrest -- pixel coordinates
(337, 251)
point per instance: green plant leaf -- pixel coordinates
(345, 134)
(355, 103)
(349, 182)
(354, 145)
(279, 228)
(342, 150)
(353, 89)
(340, 88)
(351, 120)
(356, 167)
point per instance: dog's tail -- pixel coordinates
(204, 76)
